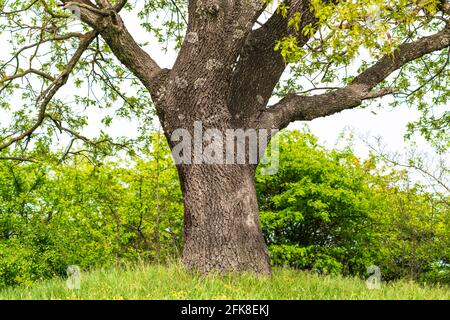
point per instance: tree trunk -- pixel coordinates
(222, 228)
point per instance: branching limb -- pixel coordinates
(260, 66)
(48, 94)
(26, 72)
(79, 136)
(110, 26)
(295, 107)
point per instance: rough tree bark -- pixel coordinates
(222, 229)
(224, 75)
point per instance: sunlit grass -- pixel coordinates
(173, 282)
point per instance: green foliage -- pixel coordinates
(413, 234)
(98, 85)
(324, 211)
(349, 36)
(329, 212)
(316, 210)
(165, 20)
(52, 216)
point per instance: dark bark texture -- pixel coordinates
(222, 228)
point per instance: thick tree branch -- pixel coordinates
(260, 66)
(294, 107)
(26, 72)
(133, 56)
(108, 23)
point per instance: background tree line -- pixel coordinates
(325, 211)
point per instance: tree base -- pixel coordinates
(222, 227)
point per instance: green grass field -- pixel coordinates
(158, 282)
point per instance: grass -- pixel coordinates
(173, 282)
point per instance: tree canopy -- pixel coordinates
(333, 55)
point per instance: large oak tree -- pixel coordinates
(319, 57)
